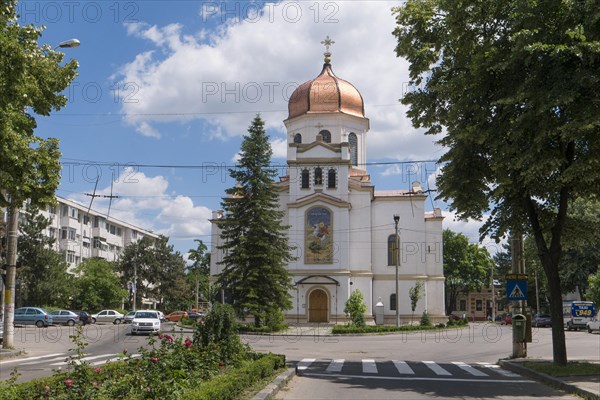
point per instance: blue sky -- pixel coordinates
(166, 89)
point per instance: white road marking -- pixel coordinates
(305, 363)
(369, 366)
(403, 367)
(469, 369)
(436, 368)
(16, 360)
(336, 365)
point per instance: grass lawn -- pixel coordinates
(572, 368)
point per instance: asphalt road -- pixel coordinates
(457, 363)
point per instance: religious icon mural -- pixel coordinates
(318, 239)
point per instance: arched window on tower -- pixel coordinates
(331, 179)
(326, 135)
(391, 250)
(393, 302)
(353, 143)
(318, 176)
(297, 138)
(304, 179)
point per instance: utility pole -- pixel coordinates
(518, 267)
(397, 251)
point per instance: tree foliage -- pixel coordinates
(97, 286)
(515, 87)
(31, 81)
(42, 271)
(467, 267)
(355, 308)
(255, 239)
(199, 271)
(414, 293)
(160, 273)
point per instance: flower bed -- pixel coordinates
(214, 364)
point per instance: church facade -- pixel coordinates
(345, 230)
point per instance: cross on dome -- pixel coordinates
(327, 42)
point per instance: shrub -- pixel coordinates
(219, 329)
(425, 321)
(355, 308)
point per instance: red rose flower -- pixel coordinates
(68, 383)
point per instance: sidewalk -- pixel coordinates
(586, 386)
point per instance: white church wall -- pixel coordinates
(360, 231)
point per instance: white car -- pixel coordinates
(593, 325)
(145, 321)
(112, 316)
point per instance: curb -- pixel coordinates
(547, 379)
(273, 388)
(9, 353)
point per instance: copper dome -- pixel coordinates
(326, 94)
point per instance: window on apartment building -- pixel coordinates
(70, 256)
(86, 219)
(86, 245)
(113, 229)
(71, 234)
(119, 232)
(63, 233)
(134, 234)
(65, 210)
(96, 222)
(479, 305)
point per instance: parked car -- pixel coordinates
(64, 317)
(176, 316)
(593, 325)
(1, 330)
(128, 317)
(111, 316)
(32, 316)
(145, 321)
(506, 319)
(85, 317)
(195, 315)
(541, 320)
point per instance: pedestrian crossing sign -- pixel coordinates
(516, 289)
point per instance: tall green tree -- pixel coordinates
(467, 267)
(31, 81)
(199, 271)
(255, 239)
(514, 85)
(97, 286)
(42, 271)
(159, 273)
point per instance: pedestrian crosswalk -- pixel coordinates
(402, 368)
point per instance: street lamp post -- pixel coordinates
(68, 44)
(396, 220)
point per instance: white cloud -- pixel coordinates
(253, 63)
(144, 201)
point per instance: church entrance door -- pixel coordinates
(317, 306)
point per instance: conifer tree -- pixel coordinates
(255, 239)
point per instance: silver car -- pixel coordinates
(111, 316)
(64, 317)
(32, 316)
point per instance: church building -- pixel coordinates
(345, 230)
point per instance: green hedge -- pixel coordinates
(231, 385)
(349, 329)
(262, 329)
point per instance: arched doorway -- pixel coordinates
(318, 306)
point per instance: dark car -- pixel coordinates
(84, 317)
(194, 315)
(542, 320)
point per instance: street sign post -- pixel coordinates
(516, 287)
